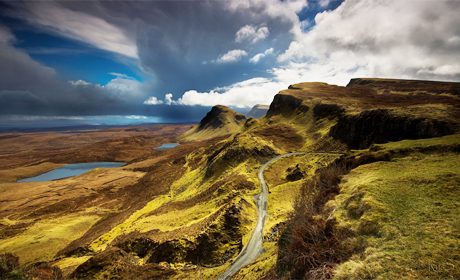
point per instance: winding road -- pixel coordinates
(254, 248)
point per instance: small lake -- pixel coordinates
(166, 146)
(70, 170)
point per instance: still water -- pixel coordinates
(166, 146)
(70, 170)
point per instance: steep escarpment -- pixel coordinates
(370, 111)
(384, 125)
(220, 121)
(285, 103)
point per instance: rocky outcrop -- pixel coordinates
(295, 173)
(286, 102)
(115, 263)
(234, 153)
(380, 126)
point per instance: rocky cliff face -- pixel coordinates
(371, 111)
(381, 126)
(284, 102)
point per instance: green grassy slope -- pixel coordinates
(405, 212)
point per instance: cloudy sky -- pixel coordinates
(64, 62)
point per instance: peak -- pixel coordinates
(221, 120)
(221, 108)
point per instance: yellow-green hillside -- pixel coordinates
(403, 214)
(220, 121)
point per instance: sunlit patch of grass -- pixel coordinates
(407, 212)
(187, 187)
(44, 239)
(188, 184)
(101, 243)
(440, 142)
(175, 219)
(67, 265)
(71, 261)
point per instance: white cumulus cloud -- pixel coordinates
(243, 94)
(231, 57)
(168, 99)
(251, 34)
(80, 83)
(392, 39)
(152, 100)
(255, 59)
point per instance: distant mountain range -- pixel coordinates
(77, 127)
(258, 111)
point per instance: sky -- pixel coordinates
(121, 62)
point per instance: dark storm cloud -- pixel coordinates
(28, 87)
(16, 101)
(175, 41)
